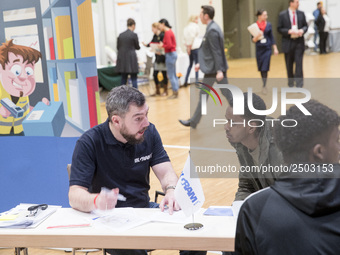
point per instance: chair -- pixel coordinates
(80, 249)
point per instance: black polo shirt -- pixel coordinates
(100, 160)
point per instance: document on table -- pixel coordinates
(176, 217)
(18, 217)
(118, 219)
(219, 211)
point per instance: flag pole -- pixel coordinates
(193, 225)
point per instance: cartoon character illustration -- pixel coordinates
(17, 82)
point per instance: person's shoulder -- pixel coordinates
(93, 133)
(259, 198)
(284, 12)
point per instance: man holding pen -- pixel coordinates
(113, 159)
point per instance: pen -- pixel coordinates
(120, 197)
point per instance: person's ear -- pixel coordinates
(252, 127)
(115, 119)
(318, 152)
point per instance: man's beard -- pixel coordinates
(130, 138)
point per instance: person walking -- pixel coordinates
(264, 43)
(212, 61)
(192, 43)
(169, 45)
(292, 26)
(127, 63)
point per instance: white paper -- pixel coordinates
(294, 28)
(254, 30)
(176, 217)
(35, 115)
(118, 219)
(154, 48)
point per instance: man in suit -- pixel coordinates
(292, 25)
(211, 60)
(127, 44)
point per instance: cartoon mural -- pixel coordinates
(48, 69)
(17, 82)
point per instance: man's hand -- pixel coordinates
(107, 200)
(197, 67)
(219, 75)
(4, 112)
(300, 32)
(170, 201)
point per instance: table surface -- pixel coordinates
(217, 234)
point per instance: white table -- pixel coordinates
(217, 234)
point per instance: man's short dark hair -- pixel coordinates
(258, 104)
(296, 142)
(131, 22)
(208, 9)
(319, 3)
(120, 98)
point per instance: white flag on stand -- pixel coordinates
(189, 193)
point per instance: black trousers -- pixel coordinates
(209, 79)
(295, 56)
(323, 40)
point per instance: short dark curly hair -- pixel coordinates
(297, 142)
(258, 104)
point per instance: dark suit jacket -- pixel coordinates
(211, 55)
(127, 44)
(284, 25)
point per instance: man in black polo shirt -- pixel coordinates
(118, 155)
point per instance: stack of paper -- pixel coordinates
(254, 30)
(18, 217)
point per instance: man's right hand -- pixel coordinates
(4, 112)
(107, 200)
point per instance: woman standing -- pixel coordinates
(323, 25)
(159, 65)
(169, 45)
(127, 44)
(264, 43)
(191, 33)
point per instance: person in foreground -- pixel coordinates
(300, 213)
(117, 155)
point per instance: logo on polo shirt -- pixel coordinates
(143, 158)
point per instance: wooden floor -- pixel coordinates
(164, 113)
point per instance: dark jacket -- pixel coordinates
(269, 155)
(127, 44)
(320, 23)
(284, 25)
(294, 216)
(158, 39)
(211, 55)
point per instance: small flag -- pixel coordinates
(189, 193)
